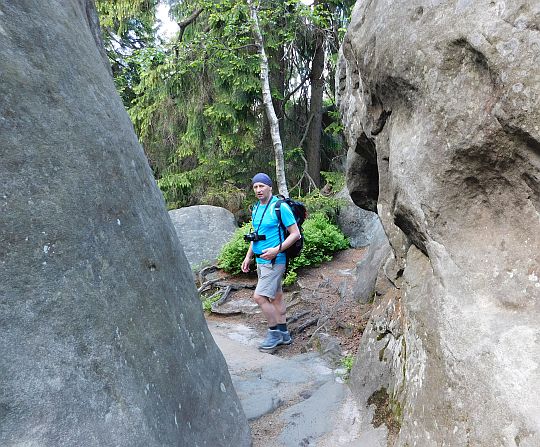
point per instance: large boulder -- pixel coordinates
(441, 105)
(203, 230)
(103, 338)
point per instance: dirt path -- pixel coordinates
(321, 302)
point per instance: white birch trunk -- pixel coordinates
(269, 107)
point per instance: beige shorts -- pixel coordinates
(270, 278)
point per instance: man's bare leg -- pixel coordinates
(274, 310)
(268, 309)
(280, 308)
(275, 313)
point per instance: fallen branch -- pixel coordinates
(318, 328)
(235, 286)
(297, 317)
(342, 294)
(211, 297)
(206, 271)
(223, 284)
(296, 302)
(309, 323)
(207, 285)
(223, 298)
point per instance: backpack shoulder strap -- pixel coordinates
(277, 209)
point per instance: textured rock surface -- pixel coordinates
(103, 338)
(358, 224)
(203, 230)
(440, 102)
(367, 270)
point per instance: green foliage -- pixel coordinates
(175, 186)
(322, 240)
(121, 16)
(336, 126)
(347, 363)
(319, 203)
(233, 253)
(290, 278)
(196, 101)
(207, 302)
(226, 195)
(194, 106)
(127, 28)
(335, 180)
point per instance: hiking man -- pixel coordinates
(267, 244)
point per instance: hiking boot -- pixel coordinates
(273, 338)
(287, 339)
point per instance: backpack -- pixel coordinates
(300, 214)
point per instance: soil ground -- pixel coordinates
(320, 302)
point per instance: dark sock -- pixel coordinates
(282, 327)
(272, 328)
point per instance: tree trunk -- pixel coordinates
(313, 140)
(277, 67)
(278, 83)
(269, 107)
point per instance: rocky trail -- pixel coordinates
(298, 395)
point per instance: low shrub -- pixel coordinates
(321, 240)
(233, 253)
(347, 363)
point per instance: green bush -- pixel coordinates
(319, 203)
(336, 180)
(290, 277)
(233, 253)
(321, 240)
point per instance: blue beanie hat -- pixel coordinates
(261, 177)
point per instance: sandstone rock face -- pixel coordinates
(103, 338)
(364, 229)
(441, 104)
(203, 230)
(359, 225)
(367, 270)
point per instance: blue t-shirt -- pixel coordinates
(270, 227)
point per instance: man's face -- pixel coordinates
(262, 191)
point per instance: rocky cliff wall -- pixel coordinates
(441, 104)
(103, 341)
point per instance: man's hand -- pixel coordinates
(270, 253)
(245, 263)
(247, 259)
